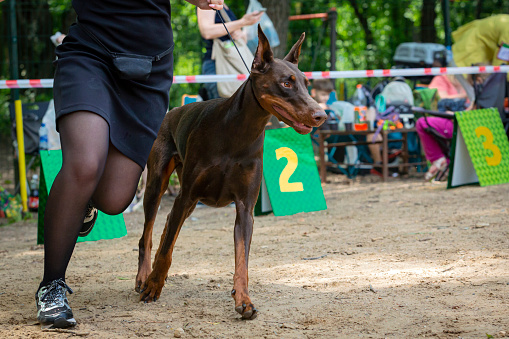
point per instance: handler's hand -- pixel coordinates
(208, 4)
(252, 18)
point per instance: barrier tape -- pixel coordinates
(373, 73)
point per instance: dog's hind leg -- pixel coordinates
(161, 164)
(182, 206)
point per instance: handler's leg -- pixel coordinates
(118, 183)
(91, 167)
(85, 139)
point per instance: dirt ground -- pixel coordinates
(402, 259)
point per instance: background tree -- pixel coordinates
(278, 11)
(428, 16)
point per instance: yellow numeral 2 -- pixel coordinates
(488, 144)
(284, 178)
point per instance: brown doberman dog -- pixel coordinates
(216, 147)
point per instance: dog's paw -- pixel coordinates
(244, 306)
(151, 289)
(248, 312)
(139, 283)
(141, 277)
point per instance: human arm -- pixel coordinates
(210, 30)
(444, 88)
(207, 4)
(451, 96)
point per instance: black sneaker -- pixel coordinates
(53, 309)
(89, 221)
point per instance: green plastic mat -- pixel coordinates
(106, 226)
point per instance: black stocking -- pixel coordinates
(92, 168)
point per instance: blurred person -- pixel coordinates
(211, 27)
(321, 90)
(447, 88)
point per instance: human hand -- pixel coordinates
(208, 4)
(57, 38)
(251, 18)
(60, 38)
(237, 35)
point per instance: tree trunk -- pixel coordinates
(479, 9)
(279, 11)
(363, 19)
(428, 16)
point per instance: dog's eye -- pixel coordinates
(287, 84)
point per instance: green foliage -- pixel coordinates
(388, 23)
(188, 49)
(5, 121)
(59, 6)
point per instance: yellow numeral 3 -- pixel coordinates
(489, 145)
(284, 178)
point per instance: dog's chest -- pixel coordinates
(227, 178)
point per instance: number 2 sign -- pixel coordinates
(480, 150)
(290, 173)
(284, 179)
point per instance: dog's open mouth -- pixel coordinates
(297, 126)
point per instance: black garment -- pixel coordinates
(209, 43)
(85, 79)
(129, 26)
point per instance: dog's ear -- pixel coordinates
(263, 56)
(293, 55)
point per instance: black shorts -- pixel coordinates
(85, 80)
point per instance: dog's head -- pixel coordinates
(282, 89)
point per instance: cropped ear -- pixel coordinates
(293, 55)
(263, 56)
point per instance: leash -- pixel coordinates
(224, 24)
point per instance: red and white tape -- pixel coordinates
(374, 73)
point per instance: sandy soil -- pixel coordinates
(402, 259)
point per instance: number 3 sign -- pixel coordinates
(480, 149)
(290, 174)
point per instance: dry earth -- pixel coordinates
(402, 259)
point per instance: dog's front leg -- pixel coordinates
(151, 288)
(242, 235)
(158, 178)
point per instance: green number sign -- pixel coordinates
(480, 149)
(290, 173)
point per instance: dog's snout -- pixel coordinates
(319, 117)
